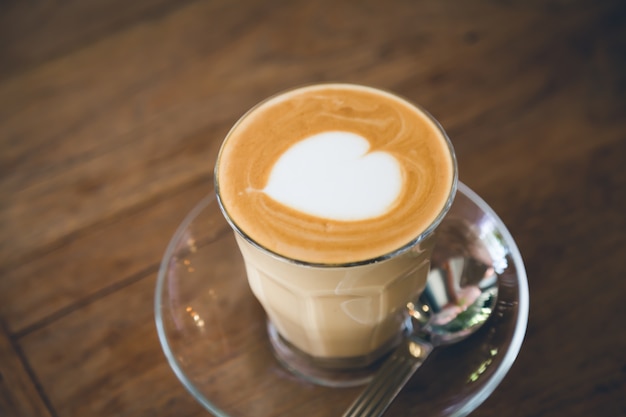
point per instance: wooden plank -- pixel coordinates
(31, 33)
(78, 105)
(81, 267)
(18, 393)
(565, 282)
(114, 366)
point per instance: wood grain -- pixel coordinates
(19, 395)
(46, 31)
(111, 115)
(102, 259)
(114, 354)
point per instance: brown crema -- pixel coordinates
(390, 124)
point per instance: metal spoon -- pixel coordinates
(459, 296)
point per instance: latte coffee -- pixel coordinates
(333, 191)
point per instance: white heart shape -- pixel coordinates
(332, 175)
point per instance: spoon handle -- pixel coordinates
(390, 378)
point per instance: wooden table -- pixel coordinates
(111, 113)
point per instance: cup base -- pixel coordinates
(332, 372)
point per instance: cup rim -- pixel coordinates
(389, 255)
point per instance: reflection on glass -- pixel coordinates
(199, 322)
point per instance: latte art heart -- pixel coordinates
(333, 175)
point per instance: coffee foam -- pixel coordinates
(332, 175)
(320, 222)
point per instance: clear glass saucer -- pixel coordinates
(213, 331)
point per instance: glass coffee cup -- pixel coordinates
(334, 192)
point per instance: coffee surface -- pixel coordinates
(334, 173)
